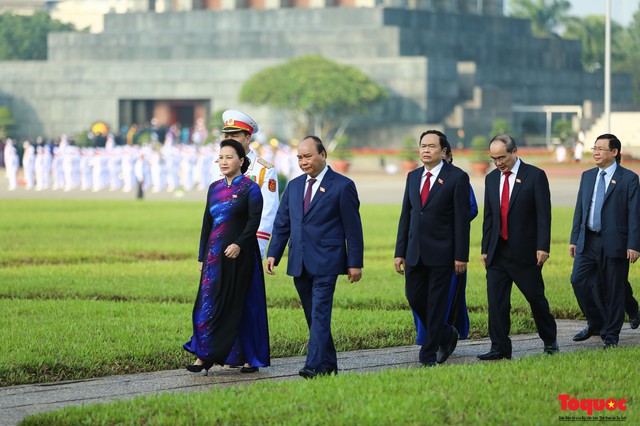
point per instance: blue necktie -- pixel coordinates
(597, 208)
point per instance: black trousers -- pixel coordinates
(316, 294)
(599, 285)
(427, 291)
(630, 302)
(501, 275)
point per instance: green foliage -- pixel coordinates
(629, 54)
(282, 183)
(25, 37)
(500, 126)
(82, 139)
(342, 150)
(320, 94)
(409, 148)
(520, 392)
(215, 121)
(480, 148)
(545, 15)
(6, 121)
(590, 30)
(563, 130)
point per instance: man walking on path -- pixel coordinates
(605, 239)
(319, 217)
(516, 237)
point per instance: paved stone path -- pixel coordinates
(17, 402)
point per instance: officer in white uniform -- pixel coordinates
(29, 164)
(239, 126)
(12, 164)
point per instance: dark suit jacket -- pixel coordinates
(438, 233)
(620, 212)
(328, 238)
(528, 219)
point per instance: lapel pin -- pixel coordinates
(613, 181)
(440, 181)
(518, 180)
(322, 189)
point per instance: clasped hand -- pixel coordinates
(232, 251)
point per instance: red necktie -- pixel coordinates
(307, 196)
(425, 188)
(504, 207)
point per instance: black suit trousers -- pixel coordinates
(630, 302)
(316, 296)
(599, 284)
(427, 291)
(501, 275)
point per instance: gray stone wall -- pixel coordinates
(432, 64)
(66, 97)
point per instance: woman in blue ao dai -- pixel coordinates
(230, 313)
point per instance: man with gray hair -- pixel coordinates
(516, 237)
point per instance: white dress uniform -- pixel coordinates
(56, 168)
(129, 157)
(29, 164)
(260, 171)
(86, 173)
(11, 163)
(39, 167)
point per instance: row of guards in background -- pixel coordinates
(167, 167)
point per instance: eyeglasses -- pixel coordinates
(497, 160)
(599, 149)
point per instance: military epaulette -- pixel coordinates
(265, 163)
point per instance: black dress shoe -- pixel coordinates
(444, 351)
(249, 369)
(308, 372)
(493, 355)
(610, 344)
(551, 349)
(196, 368)
(584, 334)
(635, 322)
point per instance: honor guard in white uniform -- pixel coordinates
(29, 164)
(239, 126)
(12, 164)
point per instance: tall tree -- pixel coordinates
(321, 95)
(590, 31)
(25, 37)
(630, 62)
(546, 15)
(6, 122)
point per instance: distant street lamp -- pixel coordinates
(607, 69)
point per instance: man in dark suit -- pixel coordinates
(516, 237)
(433, 242)
(605, 238)
(319, 217)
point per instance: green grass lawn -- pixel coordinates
(93, 288)
(521, 392)
(97, 288)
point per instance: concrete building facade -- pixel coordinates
(448, 70)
